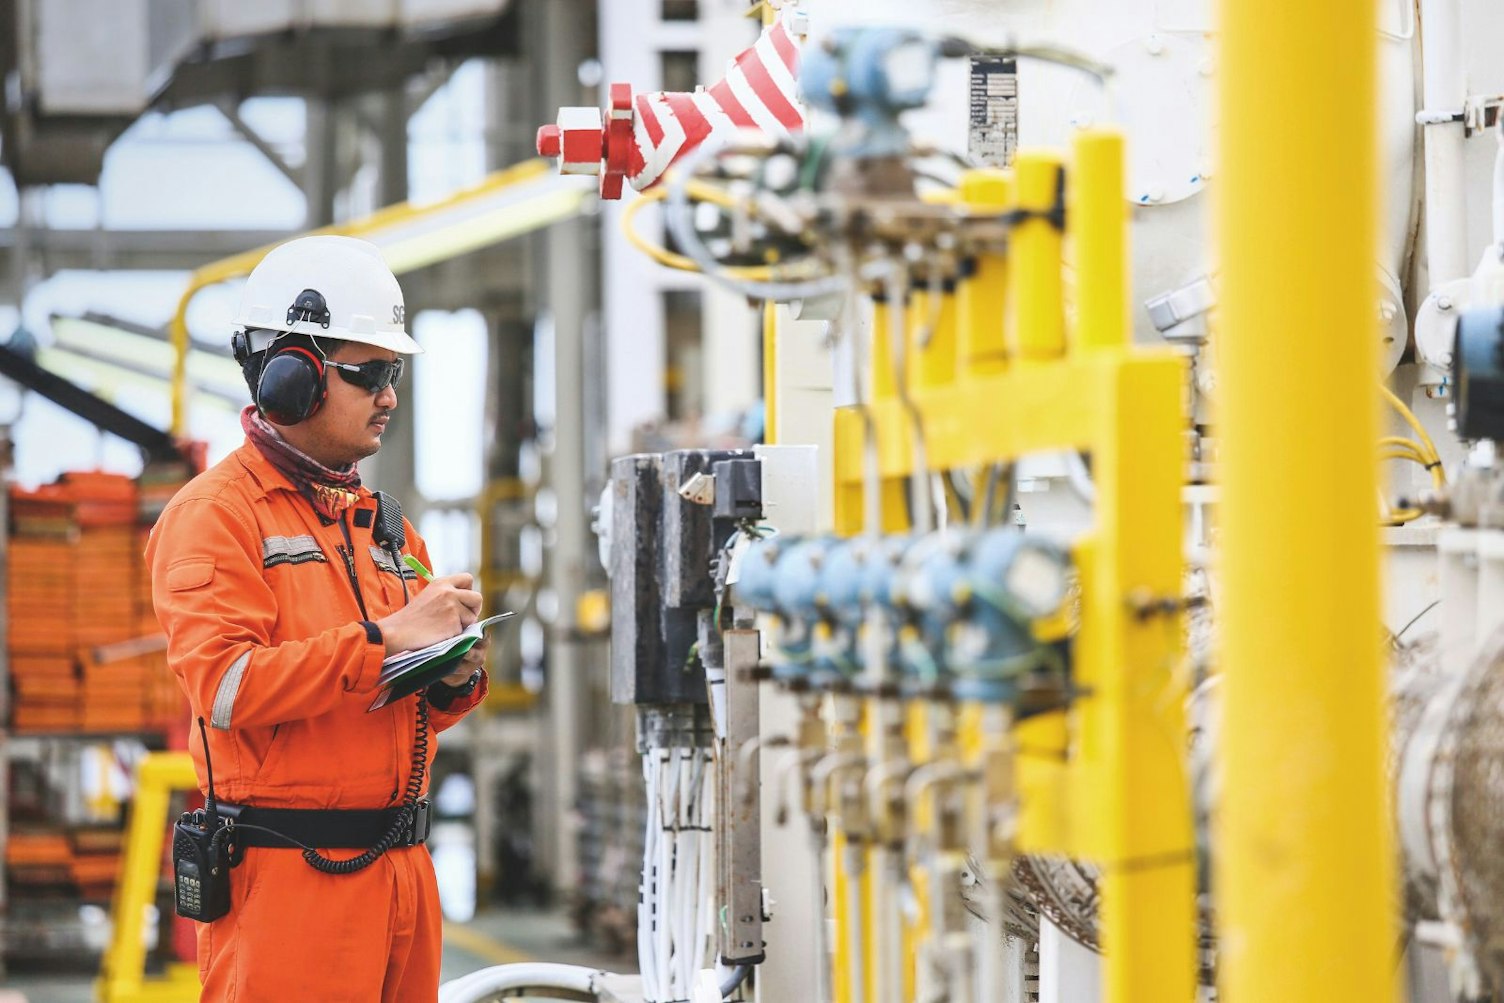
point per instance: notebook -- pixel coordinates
(407, 672)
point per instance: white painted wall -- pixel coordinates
(631, 39)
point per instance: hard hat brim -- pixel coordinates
(393, 341)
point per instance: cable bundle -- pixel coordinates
(676, 911)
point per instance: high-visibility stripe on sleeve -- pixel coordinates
(224, 697)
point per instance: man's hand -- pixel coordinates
(444, 608)
(473, 659)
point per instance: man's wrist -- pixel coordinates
(443, 696)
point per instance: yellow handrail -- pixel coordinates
(122, 977)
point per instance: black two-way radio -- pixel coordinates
(389, 533)
(202, 855)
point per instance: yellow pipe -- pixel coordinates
(840, 971)
(981, 348)
(883, 382)
(846, 732)
(932, 338)
(1098, 225)
(918, 732)
(881, 388)
(1305, 860)
(1036, 296)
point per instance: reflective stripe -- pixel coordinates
(277, 550)
(224, 698)
(385, 563)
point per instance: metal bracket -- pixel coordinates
(1180, 314)
(1477, 114)
(739, 853)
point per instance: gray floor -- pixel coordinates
(494, 937)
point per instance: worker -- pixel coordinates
(281, 583)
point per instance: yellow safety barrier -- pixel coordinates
(122, 977)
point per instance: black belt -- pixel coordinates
(323, 828)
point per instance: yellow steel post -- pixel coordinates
(122, 974)
(1040, 776)
(1136, 815)
(1305, 860)
(980, 297)
(1098, 228)
(1136, 810)
(932, 331)
(1036, 295)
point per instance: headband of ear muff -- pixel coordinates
(287, 378)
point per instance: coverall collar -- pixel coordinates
(269, 477)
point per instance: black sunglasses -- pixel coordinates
(373, 377)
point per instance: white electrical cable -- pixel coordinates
(676, 910)
(646, 905)
(662, 917)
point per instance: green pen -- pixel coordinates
(417, 565)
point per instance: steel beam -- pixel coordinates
(231, 111)
(52, 251)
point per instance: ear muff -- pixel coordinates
(250, 362)
(290, 386)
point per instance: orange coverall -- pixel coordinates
(264, 632)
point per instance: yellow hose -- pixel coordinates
(669, 259)
(1428, 447)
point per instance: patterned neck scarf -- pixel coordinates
(330, 492)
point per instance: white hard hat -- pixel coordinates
(361, 300)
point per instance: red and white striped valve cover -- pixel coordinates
(637, 139)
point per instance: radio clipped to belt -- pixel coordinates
(202, 855)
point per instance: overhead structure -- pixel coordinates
(66, 105)
(158, 446)
(509, 203)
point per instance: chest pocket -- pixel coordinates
(277, 550)
(385, 563)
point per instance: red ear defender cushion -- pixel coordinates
(291, 388)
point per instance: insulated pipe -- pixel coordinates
(981, 347)
(1305, 866)
(1443, 92)
(538, 978)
